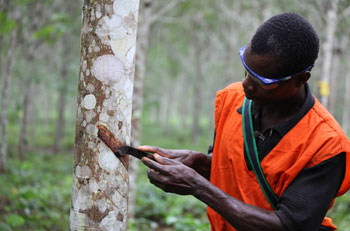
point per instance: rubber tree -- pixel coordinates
(100, 180)
(6, 73)
(151, 11)
(331, 25)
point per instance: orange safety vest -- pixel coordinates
(315, 138)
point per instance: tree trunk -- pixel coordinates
(328, 50)
(4, 99)
(60, 124)
(4, 9)
(147, 17)
(197, 100)
(27, 101)
(333, 81)
(346, 108)
(137, 102)
(143, 36)
(22, 144)
(100, 180)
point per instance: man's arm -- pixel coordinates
(173, 176)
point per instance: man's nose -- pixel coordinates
(248, 83)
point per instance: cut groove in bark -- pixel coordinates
(108, 138)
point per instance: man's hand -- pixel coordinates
(200, 162)
(171, 175)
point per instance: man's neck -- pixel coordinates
(279, 112)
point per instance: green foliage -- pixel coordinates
(58, 25)
(157, 210)
(15, 220)
(6, 25)
(340, 213)
(24, 2)
(4, 227)
(35, 194)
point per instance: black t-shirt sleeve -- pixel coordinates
(305, 202)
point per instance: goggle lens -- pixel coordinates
(261, 84)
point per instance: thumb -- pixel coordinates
(154, 149)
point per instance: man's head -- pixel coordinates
(279, 58)
(291, 39)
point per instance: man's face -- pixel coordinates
(265, 65)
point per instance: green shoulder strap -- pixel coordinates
(252, 153)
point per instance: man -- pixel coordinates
(302, 151)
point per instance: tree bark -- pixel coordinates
(60, 124)
(346, 107)
(333, 80)
(328, 50)
(100, 180)
(142, 44)
(4, 9)
(197, 100)
(26, 102)
(149, 14)
(4, 99)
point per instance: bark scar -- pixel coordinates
(109, 139)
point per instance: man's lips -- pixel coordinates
(249, 94)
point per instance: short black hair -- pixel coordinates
(291, 38)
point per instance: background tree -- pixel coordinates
(331, 25)
(150, 12)
(7, 27)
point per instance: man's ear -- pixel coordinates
(303, 78)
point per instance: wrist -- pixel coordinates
(200, 187)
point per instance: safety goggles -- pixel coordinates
(266, 83)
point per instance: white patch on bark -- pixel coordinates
(124, 7)
(122, 203)
(109, 27)
(101, 204)
(91, 145)
(84, 66)
(104, 117)
(111, 223)
(119, 30)
(98, 12)
(92, 15)
(91, 130)
(108, 68)
(93, 186)
(79, 115)
(106, 159)
(120, 48)
(82, 199)
(89, 115)
(89, 101)
(90, 87)
(102, 185)
(131, 55)
(83, 172)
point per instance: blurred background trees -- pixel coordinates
(187, 50)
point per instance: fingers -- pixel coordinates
(154, 165)
(165, 161)
(153, 149)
